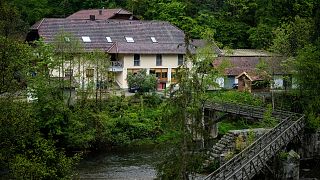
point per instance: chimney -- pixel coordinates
(92, 17)
(100, 11)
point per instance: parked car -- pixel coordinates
(134, 89)
(235, 86)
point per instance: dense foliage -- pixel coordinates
(142, 81)
(37, 139)
(236, 24)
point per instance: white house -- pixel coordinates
(133, 44)
(248, 60)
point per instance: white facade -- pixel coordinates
(277, 82)
(220, 82)
(148, 62)
(85, 73)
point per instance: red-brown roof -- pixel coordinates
(100, 14)
(254, 76)
(240, 64)
(170, 39)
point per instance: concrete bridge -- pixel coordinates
(252, 159)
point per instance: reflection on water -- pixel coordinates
(129, 164)
(125, 163)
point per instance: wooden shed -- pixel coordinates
(253, 82)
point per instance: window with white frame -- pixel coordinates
(109, 39)
(159, 60)
(180, 59)
(86, 39)
(153, 39)
(66, 39)
(136, 59)
(129, 39)
(68, 72)
(89, 72)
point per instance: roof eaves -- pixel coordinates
(244, 73)
(118, 11)
(38, 25)
(114, 45)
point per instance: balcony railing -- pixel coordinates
(116, 66)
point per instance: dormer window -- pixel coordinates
(86, 39)
(66, 39)
(153, 39)
(109, 39)
(129, 39)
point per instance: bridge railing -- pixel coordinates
(230, 166)
(255, 148)
(251, 166)
(247, 110)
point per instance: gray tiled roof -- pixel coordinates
(99, 13)
(240, 64)
(169, 38)
(156, 48)
(201, 43)
(245, 53)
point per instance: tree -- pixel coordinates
(11, 24)
(142, 81)
(307, 67)
(32, 10)
(186, 113)
(67, 50)
(261, 36)
(292, 36)
(15, 59)
(101, 63)
(25, 151)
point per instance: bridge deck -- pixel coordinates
(253, 158)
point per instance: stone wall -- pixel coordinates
(234, 141)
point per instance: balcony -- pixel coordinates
(116, 66)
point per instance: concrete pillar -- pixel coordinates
(210, 121)
(214, 130)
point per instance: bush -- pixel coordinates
(142, 81)
(235, 97)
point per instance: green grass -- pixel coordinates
(236, 124)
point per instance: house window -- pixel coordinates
(68, 72)
(89, 72)
(109, 39)
(173, 75)
(161, 74)
(164, 75)
(66, 39)
(153, 39)
(86, 39)
(180, 59)
(129, 39)
(159, 60)
(136, 60)
(133, 71)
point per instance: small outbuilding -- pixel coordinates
(253, 82)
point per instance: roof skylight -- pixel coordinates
(153, 39)
(129, 39)
(86, 39)
(66, 39)
(109, 39)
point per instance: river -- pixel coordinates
(123, 164)
(130, 164)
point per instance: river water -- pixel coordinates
(123, 164)
(129, 164)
